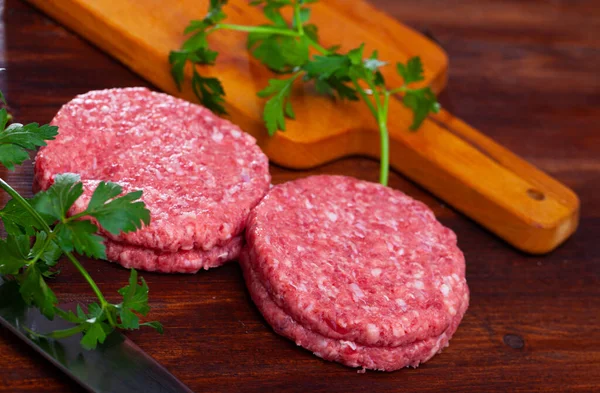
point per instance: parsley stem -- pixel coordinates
(298, 19)
(26, 205)
(58, 334)
(375, 92)
(401, 89)
(256, 29)
(364, 96)
(384, 140)
(92, 283)
(317, 46)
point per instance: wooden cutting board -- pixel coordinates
(510, 197)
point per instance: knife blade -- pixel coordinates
(117, 366)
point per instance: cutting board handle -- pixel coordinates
(487, 182)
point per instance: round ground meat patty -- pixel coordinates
(354, 271)
(201, 175)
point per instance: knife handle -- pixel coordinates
(513, 199)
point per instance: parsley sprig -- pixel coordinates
(292, 50)
(40, 232)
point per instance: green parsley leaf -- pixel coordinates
(356, 55)
(155, 325)
(135, 296)
(56, 201)
(422, 102)
(11, 155)
(279, 91)
(117, 214)
(330, 73)
(412, 71)
(70, 316)
(325, 67)
(34, 290)
(304, 15)
(13, 251)
(273, 12)
(94, 313)
(215, 15)
(50, 254)
(135, 300)
(17, 138)
(17, 220)
(279, 53)
(95, 334)
(210, 92)
(215, 12)
(178, 60)
(81, 236)
(312, 31)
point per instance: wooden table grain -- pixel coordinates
(523, 71)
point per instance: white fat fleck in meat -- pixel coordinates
(350, 344)
(357, 293)
(300, 248)
(372, 333)
(236, 133)
(401, 303)
(419, 284)
(360, 225)
(321, 283)
(390, 246)
(445, 289)
(397, 332)
(455, 277)
(376, 272)
(217, 136)
(308, 204)
(332, 216)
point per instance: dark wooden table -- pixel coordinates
(525, 72)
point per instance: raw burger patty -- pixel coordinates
(201, 175)
(356, 272)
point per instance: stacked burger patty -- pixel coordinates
(356, 272)
(353, 271)
(200, 174)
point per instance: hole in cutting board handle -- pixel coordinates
(535, 194)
